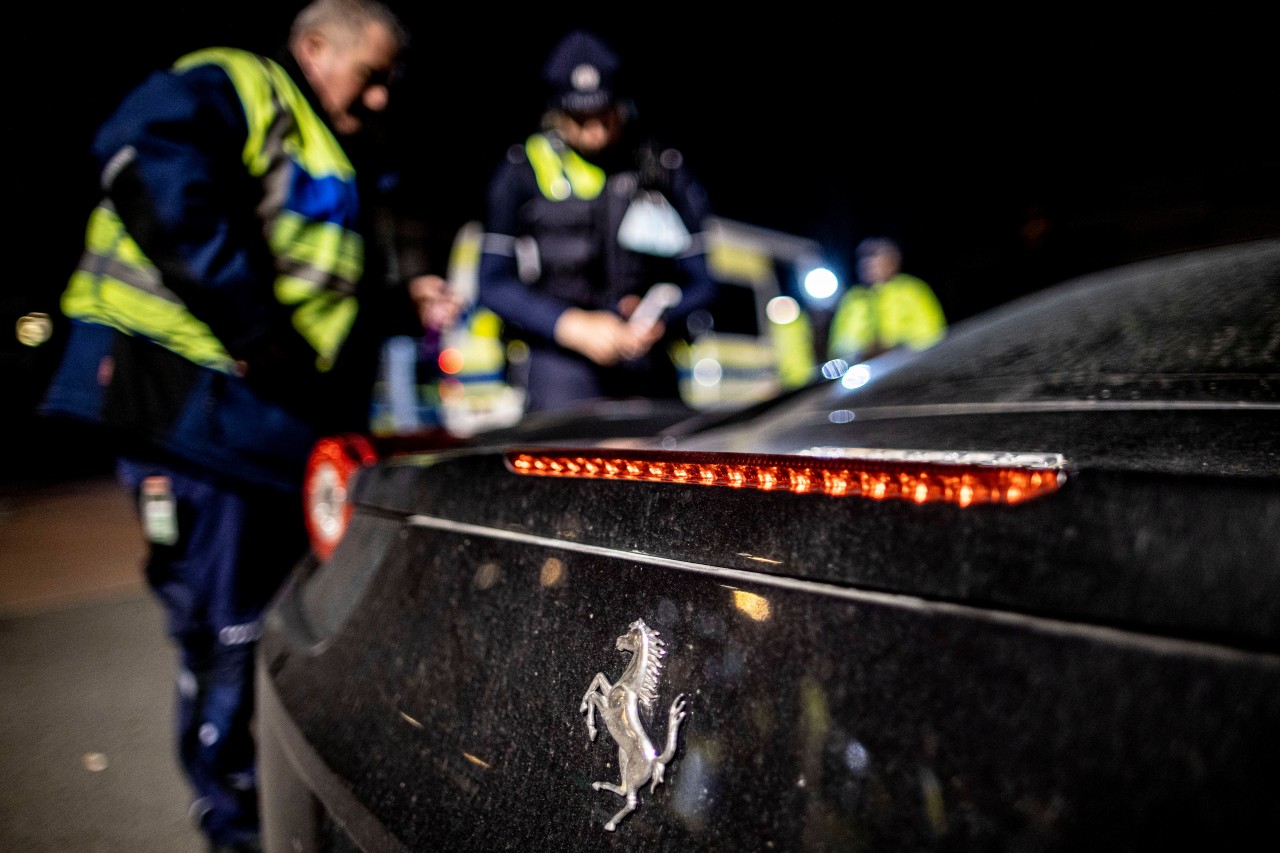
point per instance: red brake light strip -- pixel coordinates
(919, 476)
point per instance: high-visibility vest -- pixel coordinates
(561, 171)
(869, 320)
(578, 203)
(308, 214)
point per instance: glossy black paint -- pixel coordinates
(1096, 669)
(1108, 547)
(449, 703)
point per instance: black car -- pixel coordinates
(1019, 591)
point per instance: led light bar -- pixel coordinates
(961, 478)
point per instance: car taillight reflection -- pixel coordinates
(333, 462)
(960, 478)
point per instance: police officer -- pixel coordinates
(888, 309)
(584, 218)
(222, 317)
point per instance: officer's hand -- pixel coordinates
(635, 341)
(438, 306)
(594, 334)
(627, 304)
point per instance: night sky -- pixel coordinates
(947, 133)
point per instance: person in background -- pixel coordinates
(225, 313)
(888, 309)
(583, 219)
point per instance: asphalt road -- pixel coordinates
(86, 706)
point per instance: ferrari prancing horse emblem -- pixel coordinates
(619, 706)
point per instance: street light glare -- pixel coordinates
(820, 283)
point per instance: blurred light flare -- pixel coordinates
(782, 310)
(821, 283)
(33, 329)
(856, 757)
(707, 372)
(479, 762)
(552, 572)
(835, 368)
(856, 376)
(517, 352)
(486, 576)
(755, 606)
(450, 360)
(451, 389)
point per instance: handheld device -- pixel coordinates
(656, 301)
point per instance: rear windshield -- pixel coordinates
(1200, 328)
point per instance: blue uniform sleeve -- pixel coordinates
(171, 159)
(699, 288)
(500, 288)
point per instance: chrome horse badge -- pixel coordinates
(619, 706)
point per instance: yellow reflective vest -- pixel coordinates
(872, 319)
(307, 213)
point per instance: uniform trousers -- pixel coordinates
(234, 546)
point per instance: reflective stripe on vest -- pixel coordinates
(308, 213)
(561, 171)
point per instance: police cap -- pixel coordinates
(582, 74)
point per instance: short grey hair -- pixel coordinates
(348, 16)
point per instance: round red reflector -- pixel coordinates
(333, 462)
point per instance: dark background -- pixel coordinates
(1004, 151)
